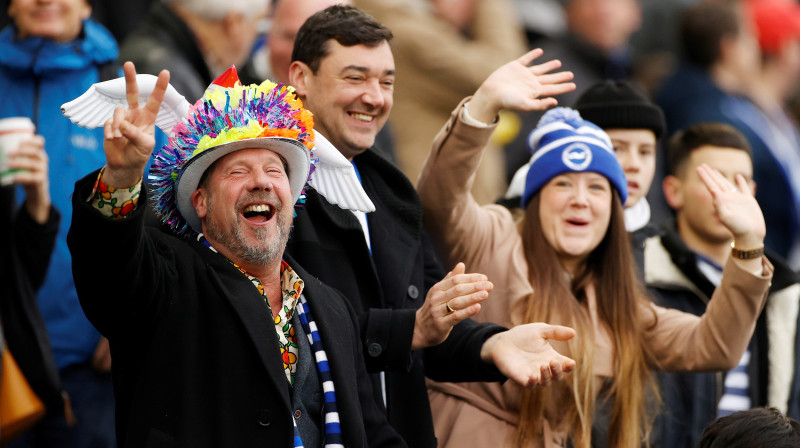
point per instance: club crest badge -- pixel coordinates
(577, 156)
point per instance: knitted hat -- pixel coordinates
(564, 142)
(230, 117)
(777, 22)
(619, 105)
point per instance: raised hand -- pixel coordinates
(130, 133)
(524, 355)
(455, 298)
(736, 207)
(517, 86)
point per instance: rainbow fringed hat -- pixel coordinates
(230, 117)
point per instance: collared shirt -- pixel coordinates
(291, 288)
(118, 203)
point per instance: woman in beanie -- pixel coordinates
(568, 261)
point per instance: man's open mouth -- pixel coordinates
(258, 212)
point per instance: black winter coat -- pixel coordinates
(386, 287)
(25, 252)
(196, 357)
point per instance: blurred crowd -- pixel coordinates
(672, 86)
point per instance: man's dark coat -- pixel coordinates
(386, 289)
(196, 356)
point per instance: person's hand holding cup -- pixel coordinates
(23, 161)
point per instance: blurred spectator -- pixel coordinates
(25, 250)
(655, 46)
(683, 268)
(196, 40)
(778, 171)
(756, 428)
(595, 47)
(287, 18)
(120, 17)
(721, 69)
(443, 50)
(541, 18)
(51, 54)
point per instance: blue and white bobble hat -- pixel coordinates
(564, 142)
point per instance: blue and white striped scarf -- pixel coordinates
(333, 430)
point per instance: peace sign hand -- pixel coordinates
(130, 133)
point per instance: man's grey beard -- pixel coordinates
(233, 239)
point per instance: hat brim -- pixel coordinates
(295, 153)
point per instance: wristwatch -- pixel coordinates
(746, 254)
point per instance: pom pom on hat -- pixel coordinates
(564, 142)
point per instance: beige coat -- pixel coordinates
(487, 240)
(438, 65)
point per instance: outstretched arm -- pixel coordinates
(524, 355)
(716, 341)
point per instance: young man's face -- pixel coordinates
(351, 94)
(636, 152)
(692, 201)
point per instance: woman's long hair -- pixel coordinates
(559, 299)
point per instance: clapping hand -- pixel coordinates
(455, 298)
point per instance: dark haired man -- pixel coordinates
(755, 428)
(682, 269)
(343, 70)
(715, 82)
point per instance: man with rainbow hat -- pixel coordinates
(217, 338)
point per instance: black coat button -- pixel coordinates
(374, 349)
(297, 414)
(413, 292)
(265, 418)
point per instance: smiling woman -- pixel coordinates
(59, 20)
(568, 261)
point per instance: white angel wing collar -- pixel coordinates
(334, 176)
(97, 104)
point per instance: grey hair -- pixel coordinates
(216, 9)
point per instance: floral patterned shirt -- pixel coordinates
(118, 203)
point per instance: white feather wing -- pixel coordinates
(97, 104)
(335, 178)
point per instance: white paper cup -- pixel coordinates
(12, 131)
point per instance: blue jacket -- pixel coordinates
(36, 77)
